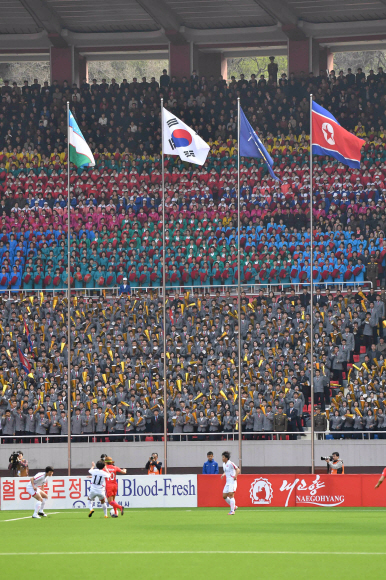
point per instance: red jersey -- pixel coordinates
(112, 480)
(384, 472)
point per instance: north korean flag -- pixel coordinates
(24, 363)
(329, 138)
(28, 336)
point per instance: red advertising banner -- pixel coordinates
(373, 497)
(294, 490)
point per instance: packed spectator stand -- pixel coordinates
(115, 218)
(117, 365)
(116, 234)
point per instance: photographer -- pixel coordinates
(18, 465)
(153, 466)
(334, 464)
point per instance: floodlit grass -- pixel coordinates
(203, 543)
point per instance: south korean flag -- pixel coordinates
(181, 140)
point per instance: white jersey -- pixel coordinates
(98, 480)
(40, 479)
(230, 470)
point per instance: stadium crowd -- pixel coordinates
(117, 365)
(116, 342)
(115, 218)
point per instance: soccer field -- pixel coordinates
(266, 543)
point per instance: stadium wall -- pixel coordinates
(288, 456)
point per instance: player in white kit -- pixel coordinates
(230, 472)
(98, 486)
(35, 489)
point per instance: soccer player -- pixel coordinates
(230, 472)
(381, 479)
(35, 489)
(99, 475)
(112, 485)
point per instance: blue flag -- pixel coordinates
(251, 146)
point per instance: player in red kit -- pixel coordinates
(112, 485)
(381, 479)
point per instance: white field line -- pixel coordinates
(184, 552)
(29, 517)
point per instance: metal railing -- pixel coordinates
(204, 290)
(195, 436)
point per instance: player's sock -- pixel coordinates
(38, 505)
(115, 506)
(227, 499)
(90, 504)
(43, 504)
(232, 504)
(105, 509)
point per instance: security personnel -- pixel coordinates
(320, 420)
(372, 272)
(273, 68)
(280, 420)
(336, 465)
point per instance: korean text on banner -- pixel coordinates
(142, 491)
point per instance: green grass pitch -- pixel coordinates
(202, 543)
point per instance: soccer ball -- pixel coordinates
(112, 512)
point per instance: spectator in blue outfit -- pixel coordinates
(124, 288)
(210, 467)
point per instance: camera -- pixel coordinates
(14, 460)
(329, 458)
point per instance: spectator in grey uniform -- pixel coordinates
(369, 424)
(8, 426)
(268, 421)
(350, 342)
(130, 426)
(19, 423)
(140, 426)
(202, 423)
(53, 428)
(29, 424)
(100, 426)
(214, 424)
(336, 423)
(258, 422)
(190, 423)
(227, 422)
(358, 423)
(41, 424)
(319, 381)
(88, 424)
(63, 421)
(381, 424)
(337, 360)
(76, 426)
(178, 424)
(368, 326)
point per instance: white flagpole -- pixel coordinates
(239, 283)
(164, 289)
(312, 301)
(68, 296)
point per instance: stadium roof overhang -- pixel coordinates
(144, 28)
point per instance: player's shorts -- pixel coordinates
(230, 487)
(96, 494)
(31, 490)
(111, 490)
